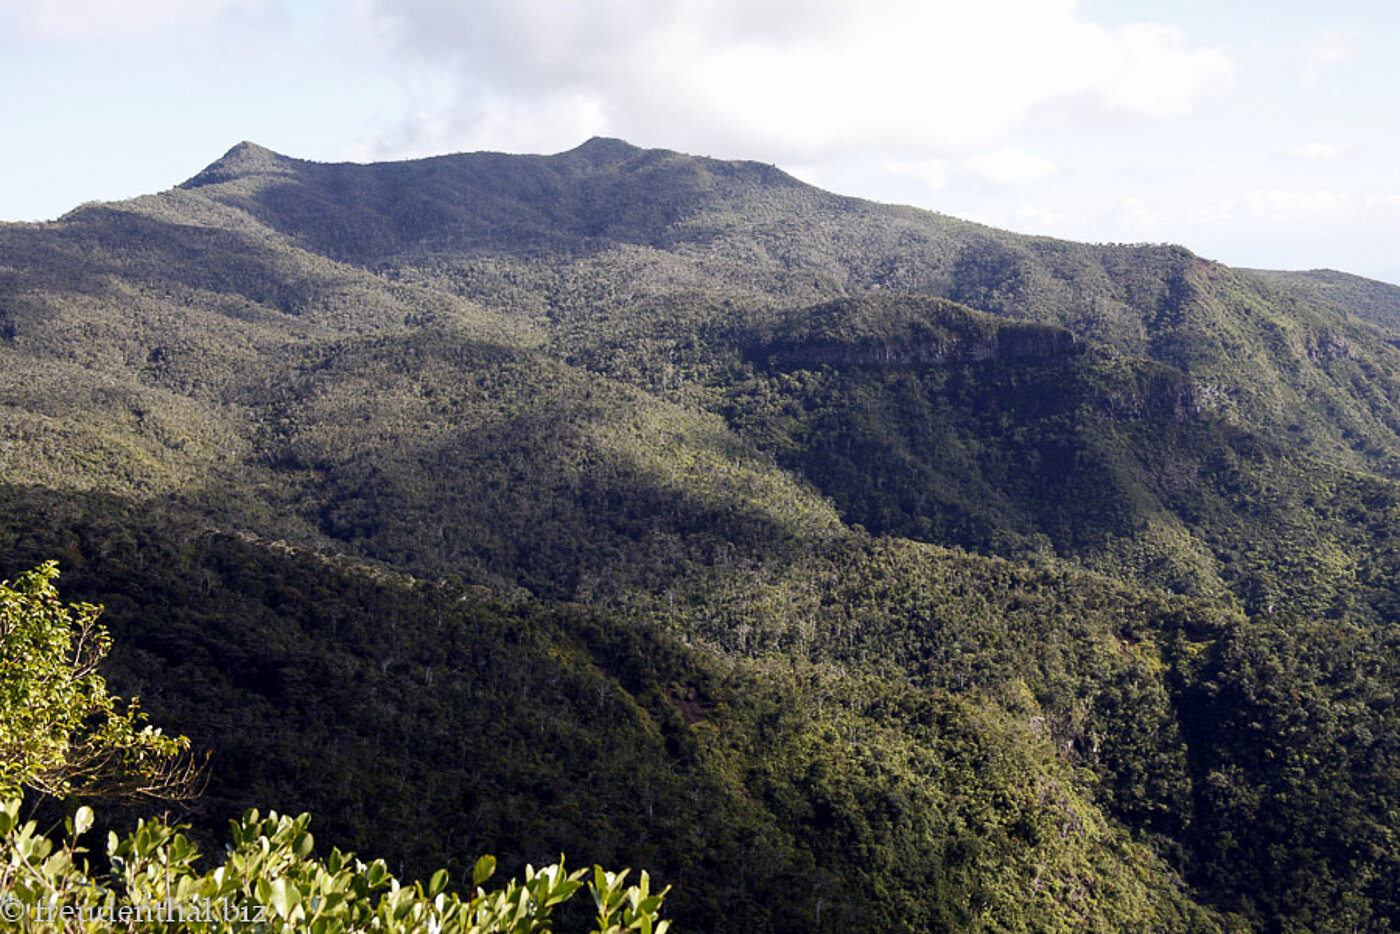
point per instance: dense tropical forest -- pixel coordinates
(848, 567)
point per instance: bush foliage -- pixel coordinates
(269, 880)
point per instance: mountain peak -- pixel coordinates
(605, 149)
(241, 161)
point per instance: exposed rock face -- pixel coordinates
(1176, 399)
(1329, 345)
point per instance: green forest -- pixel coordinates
(842, 566)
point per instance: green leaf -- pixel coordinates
(484, 869)
(376, 874)
(284, 898)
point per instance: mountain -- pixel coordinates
(1376, 302)
(851, 567)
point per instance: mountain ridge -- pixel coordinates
(903, 572)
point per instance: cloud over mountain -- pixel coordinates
(794, 81)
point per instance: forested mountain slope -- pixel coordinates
(849, 566)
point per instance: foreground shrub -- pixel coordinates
(269, 881)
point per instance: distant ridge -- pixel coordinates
(599, 153)
(603, 189)
(1367, 299)
(247, 159)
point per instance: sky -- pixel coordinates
(1260, 134)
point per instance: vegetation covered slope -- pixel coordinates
(849, 566)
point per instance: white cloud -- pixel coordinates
(1138, 220)
(104, 19)
(499, 123)
(1323, 51)
(1154, 73)
(1387, 201)
(1037, 219)
(1009, 165)
(1318, 150)
(1286, 206)
(1135, 214)
(932, 172)
(796, 81)
(1277, 207)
